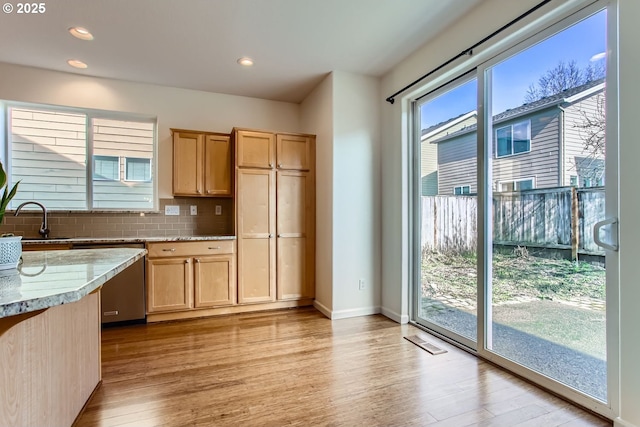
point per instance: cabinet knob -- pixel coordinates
(186, 261)
(270, 235)
(214, 247)
(279, 235)
(270, 164)
(169, 250)
(279, 165)
(197, 260)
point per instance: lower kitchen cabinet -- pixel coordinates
(184, 276)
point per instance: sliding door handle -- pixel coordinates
(612, 246)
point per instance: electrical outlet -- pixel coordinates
(194, 210)
(361, 285)
(218, 210)
(172, 210)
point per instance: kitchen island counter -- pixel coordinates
(50, 333)
(49, 278)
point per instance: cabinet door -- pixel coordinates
(217, 165)
(169, 284)
(255, 149)
(294, 152)
(255, 198)
(215, 281)
(187, 164)
(295, 235)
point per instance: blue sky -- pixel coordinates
(582, 43)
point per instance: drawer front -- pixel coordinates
(187, 249)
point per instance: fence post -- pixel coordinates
(575, 224)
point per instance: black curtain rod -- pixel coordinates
(469, 51)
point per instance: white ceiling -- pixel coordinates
(194, 44)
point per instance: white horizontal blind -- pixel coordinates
(49, 155)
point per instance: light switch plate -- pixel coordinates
(218, 210)
(172, 210)
(193, 210)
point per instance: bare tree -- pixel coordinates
(562, 77)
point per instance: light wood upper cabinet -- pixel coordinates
(217, 165)
(201, 164)
(294, 152)
(187, 163)
(255, 149)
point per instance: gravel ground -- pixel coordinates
(563, 342)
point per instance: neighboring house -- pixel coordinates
(535, 145)
(429, 151)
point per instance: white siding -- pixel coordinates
(543, 161)
(49, 158)
(457, 164)
(578, 160)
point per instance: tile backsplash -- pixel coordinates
(130, 224)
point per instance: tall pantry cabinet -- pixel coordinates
(275, 198)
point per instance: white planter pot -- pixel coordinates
(10, 252)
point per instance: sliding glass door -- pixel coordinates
(515, 205)
(446, 203)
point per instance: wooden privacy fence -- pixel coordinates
(560, 218)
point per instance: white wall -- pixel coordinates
(344, 112)
(316, 117)
(356, 194)
(395, 130)
(174, 108)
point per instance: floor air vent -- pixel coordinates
(431, 348)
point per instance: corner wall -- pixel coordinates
(343, 111)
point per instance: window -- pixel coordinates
(137, 169)
(573, 181)
(73, 159)
(516, 185)
(463, 189)
(106, 168)
(513, 139)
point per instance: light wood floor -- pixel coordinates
(297, 368)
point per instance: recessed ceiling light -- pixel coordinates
(245, 61)
(76, 63)
(81, 33)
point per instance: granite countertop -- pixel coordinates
(116, 240)
(49, 278)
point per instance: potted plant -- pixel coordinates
(10, 245)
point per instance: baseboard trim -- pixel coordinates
(396, 317)
(322, 308)
(345, 314)
(354, 312)
(619, 422)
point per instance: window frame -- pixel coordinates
(514, 181)
(511, 126)
(462, 187)
(90, 114)
(117, 159)
(126, 161)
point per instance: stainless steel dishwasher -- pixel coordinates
(123, 296)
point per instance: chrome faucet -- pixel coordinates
(44, 229)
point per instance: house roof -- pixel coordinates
(567, 96)
(439, 127)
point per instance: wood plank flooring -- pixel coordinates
(297, 368)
